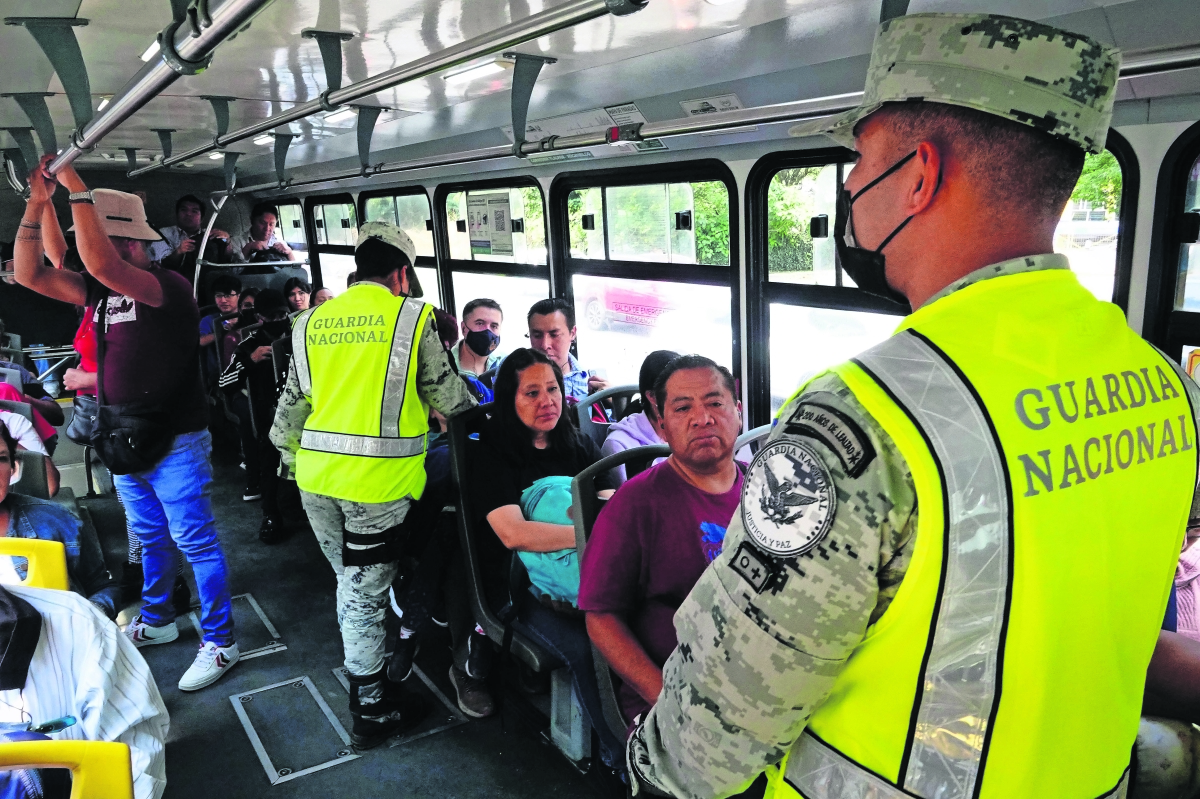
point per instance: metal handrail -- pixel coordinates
(225, 18)
(516, 33)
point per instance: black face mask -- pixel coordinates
(482, 342)
(277, 327)
(867, 268)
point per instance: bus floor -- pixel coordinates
(210, 751)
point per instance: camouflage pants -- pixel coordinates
(362, 591)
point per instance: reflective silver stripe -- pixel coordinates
(368, 446)
(404, 339)
(819, 772)
(958, 688)
(300, 352)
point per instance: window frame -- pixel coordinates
(564, 267)
(314, 253)
(306, 228)
(424, 261)
(447, 266)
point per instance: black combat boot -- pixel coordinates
(381, 710)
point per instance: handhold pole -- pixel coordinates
(220, 107)
(525, 75)
(282, 142)
(164, 138)
(367, 116)
(28, 150)
(330, 43)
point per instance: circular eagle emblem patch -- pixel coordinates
(788, 499)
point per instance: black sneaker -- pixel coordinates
(400, 664)
(251, 493)
(271, 531)
(474, 699)
(479, 655)
(382, 710)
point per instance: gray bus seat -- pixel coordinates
(753, 439)
(459, 428)
(596, 431)
(13, 378)
(21, 408)
(33, 481)
(585, 508)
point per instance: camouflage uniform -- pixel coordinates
(762, 640)
(362, 593)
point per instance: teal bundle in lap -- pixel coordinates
(553, 573)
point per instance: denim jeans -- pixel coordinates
(567, 639)
(169, 507)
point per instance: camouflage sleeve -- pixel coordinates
(290, 415)
(813, 556)
(438, 382)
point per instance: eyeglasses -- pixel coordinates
(223, 295)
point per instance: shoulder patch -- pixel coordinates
(788, 499)
(756, 568)
(835, 430)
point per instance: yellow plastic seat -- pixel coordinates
(99, 769)
(47, 561)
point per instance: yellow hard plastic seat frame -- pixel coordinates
(99, 769)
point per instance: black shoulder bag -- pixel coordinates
(131, 437)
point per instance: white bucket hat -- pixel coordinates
(122, 215)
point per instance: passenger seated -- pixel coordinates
(481, 323)
(227, 289)
(62, 658)
(44, 428)
(297, 291)
(655, 537)
(320, 295)
(638, 429)
(34, 393)
(260, 243)
(529, 437)
(29, 517)
(179, 241)
(26, 436)
(551, 332)
(1187, 582)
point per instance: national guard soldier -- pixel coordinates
(352, 422)
(952, 556)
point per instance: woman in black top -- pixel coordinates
(530, 437)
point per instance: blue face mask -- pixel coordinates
(482, 342)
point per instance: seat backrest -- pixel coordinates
(33, 481)
(99, 769)
(13, 378)
(459, 430)
(47, 561)
(22, 408)
(597, 431)
(752, 438)
(585, 508)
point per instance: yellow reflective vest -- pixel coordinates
(356, 360)
(1054, 457)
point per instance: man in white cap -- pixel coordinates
(351, 423)
(896, 612)
(146, 321)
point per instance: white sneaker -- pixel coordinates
(141, 634)
(210, 665)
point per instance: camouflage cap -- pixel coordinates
(389, 233)
(1058, 82)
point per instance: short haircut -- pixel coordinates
(270, 301)
(482, 302)
(296, 283)
(250, 293)
(226, 284)
(1020, 168)
(447, 327)
(651, 367)
(547, 307)
(376, 258)
(513, 433)
(259, 209)
(189, 198)
(7, 436)
(690, 362)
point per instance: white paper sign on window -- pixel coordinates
(489, 223)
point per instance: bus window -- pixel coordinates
(504, 225)
(805, 341)
(410, 212)
(622, 321)
(676, 223)
(291, 226)
(1187, 291)
(1087, 232)
(585, 207)
(795, 197)
(514, 294)
(336, 224)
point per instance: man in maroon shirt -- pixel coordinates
(662, 528)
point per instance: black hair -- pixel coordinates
(295, 283)
(269, 301)
(376, 258)
(651, 367)
(482, 302)
(189, 198)
(1024, 170)
(226, 284)
(690, 362)
(7, 436)
(262, 208)
(547, 307)
(515, 436)
(249, 293)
